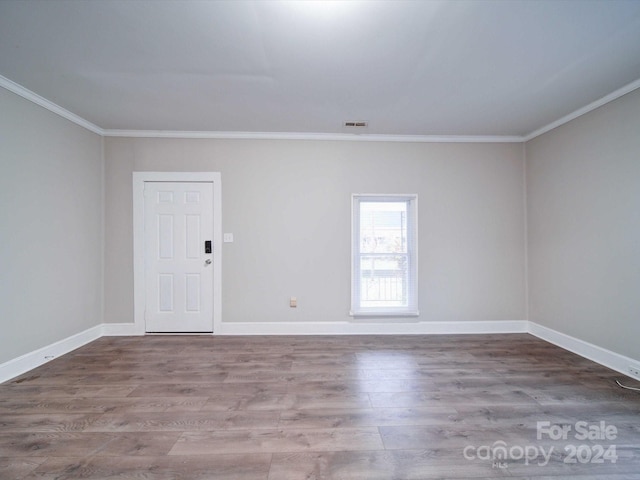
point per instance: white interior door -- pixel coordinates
(178, 230)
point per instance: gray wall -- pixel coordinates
(583, 188)
(51, 225)
(288, 205)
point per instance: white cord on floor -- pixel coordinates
(628, 388)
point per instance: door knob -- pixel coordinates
(207, 261)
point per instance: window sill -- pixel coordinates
(385, 313)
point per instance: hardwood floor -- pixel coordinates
(318, 407)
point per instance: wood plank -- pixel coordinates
(281, 440)
(183, 421)
(19, 467)
(415, 464)
(192, 467)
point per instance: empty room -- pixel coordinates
(306, 240)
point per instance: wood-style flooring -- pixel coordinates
(318, 407)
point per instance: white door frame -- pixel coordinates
(139, 179)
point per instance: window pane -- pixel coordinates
(383, 281)
(383, 227)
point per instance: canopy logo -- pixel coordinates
(500, 454)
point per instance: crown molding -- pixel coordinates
(52, 107)
(316, 136)
(72, 117)
(586, 109)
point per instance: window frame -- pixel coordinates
(411, 308)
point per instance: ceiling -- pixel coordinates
(459, 68)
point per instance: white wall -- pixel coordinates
(288, 205)
(583, 189)
(51, 225)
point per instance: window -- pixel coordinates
(384, 255)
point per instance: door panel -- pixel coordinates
(178, 220)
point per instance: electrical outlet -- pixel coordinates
(293, 302)
(634, 370)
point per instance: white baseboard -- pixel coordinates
(29, 361)
(121, 330)
(345, 328)
(597, 354)
(373, 328)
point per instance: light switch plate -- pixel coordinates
(227, 238)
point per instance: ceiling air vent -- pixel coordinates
(355, 124)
